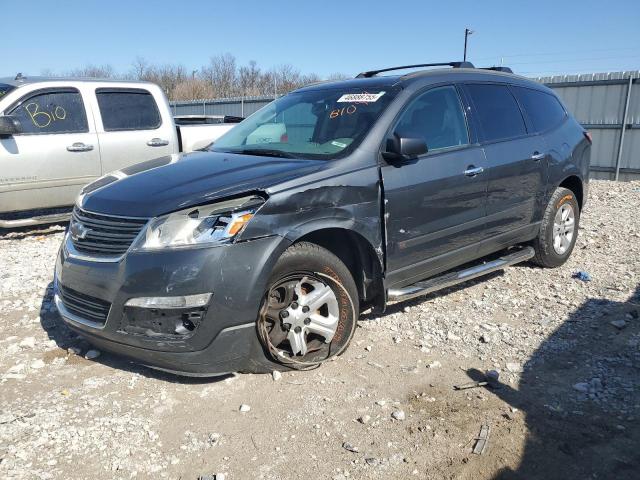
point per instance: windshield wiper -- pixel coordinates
(265, 152)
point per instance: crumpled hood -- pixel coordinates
(178, 181)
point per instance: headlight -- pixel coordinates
(204, 225)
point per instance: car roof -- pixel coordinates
(20, 80)
(426, 77)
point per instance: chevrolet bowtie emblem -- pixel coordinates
(78, 231)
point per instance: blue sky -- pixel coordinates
(534, 37)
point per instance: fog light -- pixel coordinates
(184, 301)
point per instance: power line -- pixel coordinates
(574, 60)
(570, 52)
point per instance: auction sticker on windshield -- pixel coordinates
(360, 97)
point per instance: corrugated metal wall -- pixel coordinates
(239, 107)
(598, 101)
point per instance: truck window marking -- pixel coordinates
(58, 113)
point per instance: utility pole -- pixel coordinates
(467, 32)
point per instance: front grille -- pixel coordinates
(84, 306)
(99, 234)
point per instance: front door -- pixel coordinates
(435, 204)
(55, 155)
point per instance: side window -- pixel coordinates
(127, 109)
(435, 116)
(498, 112)
(544, 110)
(52, 112)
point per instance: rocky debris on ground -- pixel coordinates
(552, 348)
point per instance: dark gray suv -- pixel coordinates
(262, 251)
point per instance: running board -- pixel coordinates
(453, 278)
(39, 220)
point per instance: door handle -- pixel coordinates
(79, 147)
(158, 142)
(472, 171)
(537, 156)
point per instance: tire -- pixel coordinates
(313, 330)
(551, 249)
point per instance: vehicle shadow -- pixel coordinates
(19, 233)
(580, 394)
(66, 338)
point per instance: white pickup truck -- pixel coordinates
(57, 135)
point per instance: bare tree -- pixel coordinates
(167, 76)
(221, 73)
(220, 78)
(93, 71)
(139, 68)
(192, 89)
(337, 76)
(250, 79)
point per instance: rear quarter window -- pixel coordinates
(127, 109)
(543, 109)
(497, 111)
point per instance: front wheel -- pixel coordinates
(310, 309)
(558, 230)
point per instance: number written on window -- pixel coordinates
(42, 119)
(52, 112)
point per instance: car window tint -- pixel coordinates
(52, 112)
(544, 110)
(435, 116)
(497, 111)
(128, 110)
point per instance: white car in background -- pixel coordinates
(57, 135)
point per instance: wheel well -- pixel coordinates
(360, 258)
(574, 184)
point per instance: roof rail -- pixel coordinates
(499, 69)
(372, 73)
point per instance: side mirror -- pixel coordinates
(404, 147)
(9, 126)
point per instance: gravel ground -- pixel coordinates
(566, 403)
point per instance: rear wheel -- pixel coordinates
(310, 309)
(558, 230)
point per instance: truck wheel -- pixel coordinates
(558, 230)
(310, 310)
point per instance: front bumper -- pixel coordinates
(224, 339)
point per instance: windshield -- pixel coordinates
(4, 89)
(321, 124)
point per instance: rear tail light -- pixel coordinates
(587, 135)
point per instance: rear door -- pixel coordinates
(54, 156)
(434, 211)
(131, 127)
(515, 160)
